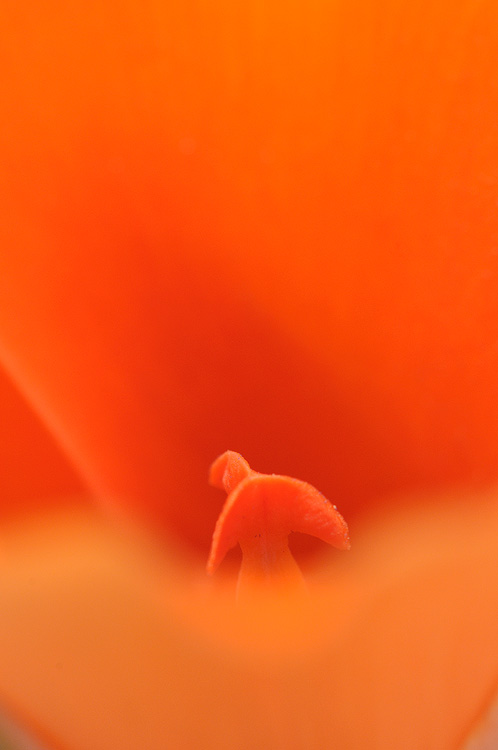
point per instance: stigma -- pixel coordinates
(260, 512)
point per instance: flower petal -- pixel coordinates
(398, 649)
(196, 203)
(34, 473)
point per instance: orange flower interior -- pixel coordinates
(203, 209)
(266, 225)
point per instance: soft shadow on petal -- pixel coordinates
(34, 473)
(485, 735)
(396, 291)
(145, 366)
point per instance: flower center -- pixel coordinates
(260, 512)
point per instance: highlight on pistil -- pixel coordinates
(260, 512)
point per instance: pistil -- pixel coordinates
(260, 512)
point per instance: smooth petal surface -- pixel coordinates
(397, 648)
(204, 206)
(485, 736)
(34, 473)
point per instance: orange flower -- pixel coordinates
(271, 228)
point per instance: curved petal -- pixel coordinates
(397, 650)
(485, 736)
(34, 474)
(203, 209)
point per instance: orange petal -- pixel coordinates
(485, 735)
(34, 473)
(198, 213)
(398, 649)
